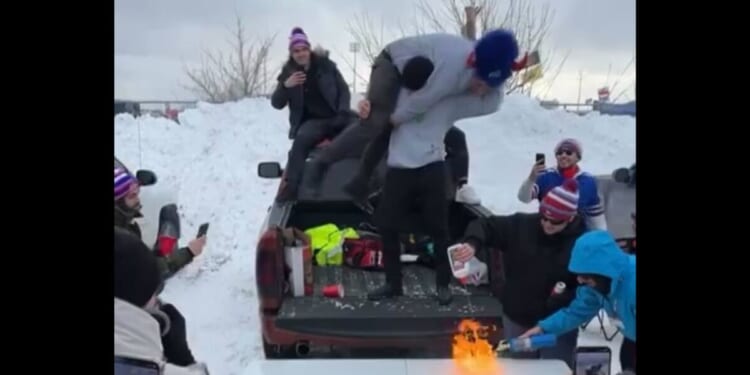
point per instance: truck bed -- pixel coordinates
(416, 315)
(418, 281)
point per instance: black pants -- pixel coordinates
(455, 146)
(627, 355)
(385, 83)
(457, 154)
(310, 133)
(402, 188)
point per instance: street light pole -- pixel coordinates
(354, 49)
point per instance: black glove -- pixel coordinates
(175, 344)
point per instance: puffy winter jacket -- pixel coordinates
(597, 253)
(137, 336)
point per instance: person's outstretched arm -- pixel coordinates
(583, 308)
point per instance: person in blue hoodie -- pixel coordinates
(607, 278)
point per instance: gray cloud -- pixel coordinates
(155, 39)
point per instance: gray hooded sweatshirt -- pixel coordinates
(422, 141)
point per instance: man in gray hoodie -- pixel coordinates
(416, 173)
(460, 66)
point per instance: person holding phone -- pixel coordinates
(542, 179)
(319, 104)
(128, 208)
(145, 329)
(607, 278)
(535, 249)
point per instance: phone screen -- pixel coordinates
(202, 230)
(593, 361)
(135, 367)
(539, 158)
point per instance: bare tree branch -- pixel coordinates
(233, 74)
(530, 22)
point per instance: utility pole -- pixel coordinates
(354, 49)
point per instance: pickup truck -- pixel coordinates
(290, 325)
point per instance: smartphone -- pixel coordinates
(593, 360)
(202, 230)
(539, 158)
(132, 366)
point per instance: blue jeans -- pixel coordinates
(564, 350)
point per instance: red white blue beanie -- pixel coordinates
(123, 182)
(570, 144)
(298, 37)
(561, 203)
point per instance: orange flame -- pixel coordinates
(472, 351)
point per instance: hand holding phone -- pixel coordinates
(539, 158)
(538, 167)
(593, 360)
(202, 230)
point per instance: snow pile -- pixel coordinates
(502, 146)
(210, 161)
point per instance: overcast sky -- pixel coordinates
(156, 39)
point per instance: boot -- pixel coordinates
(357, 189)
(444, 295)
(386, 291)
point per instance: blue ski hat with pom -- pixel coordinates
(494, 55)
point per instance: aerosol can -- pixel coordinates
(528, 343)
(472, 272)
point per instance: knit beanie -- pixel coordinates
(137, 276)
(570, 144)
(561, 203)
(494, 55)
(416, 72)
(298, 37)
(123, 182)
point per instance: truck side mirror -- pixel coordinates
(621, 175)
(269, 169)
(145, 177)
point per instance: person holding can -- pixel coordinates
(607, 278)
(535, 250)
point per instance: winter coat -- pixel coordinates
(597, 253)
(137, 336)
(332, 86)
(168, 265)
(532, 260)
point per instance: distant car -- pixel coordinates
(292, 325)
(617, 192)
(127, 106)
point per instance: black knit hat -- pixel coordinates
(137, 275)
(416, 72)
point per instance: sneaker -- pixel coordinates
(444, 295)
(385, 291)
(467, 194)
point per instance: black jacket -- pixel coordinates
(533, 262)
(331, 84)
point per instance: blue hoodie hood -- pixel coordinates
(596, 252)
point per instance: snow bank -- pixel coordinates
(210, 161)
